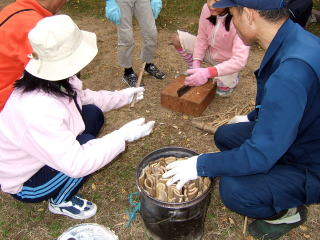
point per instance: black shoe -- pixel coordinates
(260, 229)
(154, 71)
(130, 79)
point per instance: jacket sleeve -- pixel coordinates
(280, 114)
(105, 100)
(49, 139)
(240, 54)
(201, 43)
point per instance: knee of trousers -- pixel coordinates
(233, 194)
(151, 35)
(95, 112)
(220, 138)
(126, 40)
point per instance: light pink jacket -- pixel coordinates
(225, 47)
(37, 130)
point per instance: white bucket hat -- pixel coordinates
(60, 48)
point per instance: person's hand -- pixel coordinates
(113, 11)
(182, 171)
(130, 92)
(239, 118)
(136, 129)
(156, 6)
(199, 76)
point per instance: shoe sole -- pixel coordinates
(223, 94)
(51, 209)
(154, 76)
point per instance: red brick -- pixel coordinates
(193, 102)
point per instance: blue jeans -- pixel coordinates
(261, 195)
(50, 183)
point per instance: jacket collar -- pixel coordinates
(276, 43)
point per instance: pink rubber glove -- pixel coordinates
(199, 76)
(196, 63)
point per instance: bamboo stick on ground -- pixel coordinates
(245, 225)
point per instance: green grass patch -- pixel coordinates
(314, 28)
(316, 4)
(174, 14)
(179, 13)
(55, 229)
(86, 8)
(4, 230)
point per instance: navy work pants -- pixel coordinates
(260, 195)
(50, 183)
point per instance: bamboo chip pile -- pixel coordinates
(152, 182)
(210, 123)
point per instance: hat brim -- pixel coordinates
(69, 66)
(224, 4)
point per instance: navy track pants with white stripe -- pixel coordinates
(50, 183)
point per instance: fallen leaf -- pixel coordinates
(306, 235)
(185, 117)
(93, 186)
(231, 220)
(303, 228)
(40, 210)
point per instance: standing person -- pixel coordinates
(16, 20)
(300, 11)
(217, 43)
(49, 125)
(269, 162)
(121, 12)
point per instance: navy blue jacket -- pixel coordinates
(287, 128)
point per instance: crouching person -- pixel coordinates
(269, 164)
(49, 126)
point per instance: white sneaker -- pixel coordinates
(76, 207)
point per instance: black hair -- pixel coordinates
(273, 15)
(213, 20)
(30, 83)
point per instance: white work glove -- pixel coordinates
(239, 118)
(182, 171)
(136, 129)
(133, 90)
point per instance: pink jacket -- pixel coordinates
(37, 130)
(225, 47)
